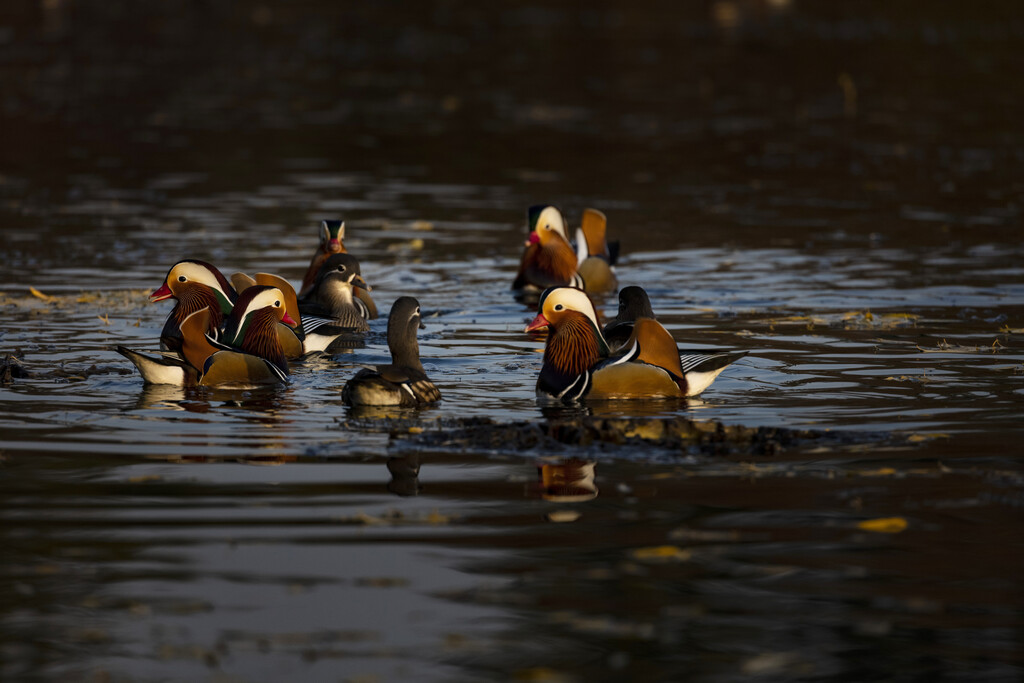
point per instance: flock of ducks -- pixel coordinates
(242, 333)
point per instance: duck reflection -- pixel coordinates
(551, 409)
(269, 401)
(566, 480)
(405, 475)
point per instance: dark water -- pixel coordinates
(834, 186)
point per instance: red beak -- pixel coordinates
(287, 319)
(532, 239)
(163, 293)
(334, 245)
(539, 323)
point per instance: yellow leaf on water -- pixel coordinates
(39, 295)
(883, 525)
(104, 318)
(435, 517)
(661, 553)
(880, 472)
(917, 438)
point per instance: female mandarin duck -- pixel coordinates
(332, 234)
(404, 382)
(550, 261)
(194, 285)
(633, 304)
(334, 296)
(577, 364)
(332, 241)
(254, 358)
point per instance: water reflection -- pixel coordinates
(566, 480)
(405, 473)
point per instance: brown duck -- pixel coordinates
(403, 382)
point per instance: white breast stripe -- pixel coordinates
(633, 353)
(364, 312)
(277, 371)
(216, 343)
(405, 385)
(582, 252)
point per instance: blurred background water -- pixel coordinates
(836, 187)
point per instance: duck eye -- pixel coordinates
(182, 278)
(559, 307)
(341, 269)
(277, 304)
(547, 227)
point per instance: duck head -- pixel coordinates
(332, 237)
(633, 304)
(193, 278)
(558, 305)
(404, 322)
(546, 225)
(254, 317)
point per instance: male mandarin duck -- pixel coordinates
(194, 285)
(332, 241)
(595, 257)
(291, 336)
(253, 358)
(550, 261)
(633, 304)
(577, 363)
(403, 383)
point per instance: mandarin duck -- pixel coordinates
(253, 358)
(577, 364)
(335, 294)
(595, 257)
(633, 304)
(550, 261)
(194, 285)
(332, 241)
(308, 333)
(404, 382)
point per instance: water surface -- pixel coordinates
(834, 189)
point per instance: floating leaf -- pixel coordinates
(883, 525)
(880, 472)
(39, 295)
(917, 438)
(661, 553)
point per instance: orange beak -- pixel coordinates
(163, 293)
(539, 323)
